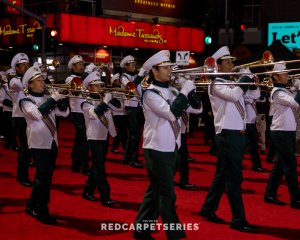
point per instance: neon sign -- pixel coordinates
(154, 37)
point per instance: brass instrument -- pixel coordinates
(265, 61)
(74, 90)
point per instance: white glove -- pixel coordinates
(57, 96)
(142, 72)
(115, 77)
(180, 80)
(107, 98)
(187, 87)
(297, 84)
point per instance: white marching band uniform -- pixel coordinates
(38, 134)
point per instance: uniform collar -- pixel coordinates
(35, 94)
(280, 85)
(94, 96)
(77, 74)
(160, 84)
(130, 73)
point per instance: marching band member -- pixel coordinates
(80, 153)
(250, 96)
(20, 64)
(229, 119)
(120, 118)
(10, 135)
(39, 111)
(133, 110)
(99, 123)
(283, 135)
(163, 106)
(183, 163)
(2, 97)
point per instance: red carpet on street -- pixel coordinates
(79, 219)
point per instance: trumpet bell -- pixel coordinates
(266, 60)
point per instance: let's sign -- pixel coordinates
(287, 32)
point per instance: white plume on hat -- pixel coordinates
(92, 78)
(223, 53)
(161, 58)
(75, 59)
(127, 59)
(31, 74)
(19, 58)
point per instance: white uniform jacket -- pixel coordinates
(95, 129)
(75, 103)
(7, 95)
(17, 92)
(223, 99)
(125, 78)
(250, 98)
(158, 133)
(282, 106)
(2, 96)
(38, 134)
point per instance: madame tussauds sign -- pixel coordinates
(153, 37)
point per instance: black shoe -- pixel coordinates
(86, 173)
(89, 197)
(15, 148)
(213, 153)
(189, 159)
(263, 152)
(211, 216)
(258, 169)
(186, 186)
(31, 164)
(270, 160)
(115, 151)
(274, 200)
(136, 165)
(295, 205)
(142, 235)
(46, 218)
(108, 203)
(31, 212)
(26, 183)
(243, 226)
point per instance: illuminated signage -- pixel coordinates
(288, 33)
(186, 9)
(104, 31)
(153, 37)
(25, 29)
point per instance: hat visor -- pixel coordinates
(279, 72)
(38, 75)
(96, 82)
(228, 57)
(22, 61)
(79, 61)
(166, 64)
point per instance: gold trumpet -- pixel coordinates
(74, 90)
(266, 60)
